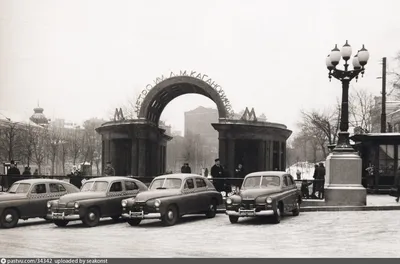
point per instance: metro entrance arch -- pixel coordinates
(138, 146)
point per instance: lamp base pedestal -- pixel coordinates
(343, 180)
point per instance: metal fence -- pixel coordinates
(310, 189)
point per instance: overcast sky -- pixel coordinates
(81, 59)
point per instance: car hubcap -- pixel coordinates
(170, 214)
(9, 218)
(92, 216)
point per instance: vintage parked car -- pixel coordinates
(172, 196)
(267, 193)
(99, 197)
(28, 198)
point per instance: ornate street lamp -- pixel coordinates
(345, 76)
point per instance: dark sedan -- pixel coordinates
(172, 196)
(268, 193)
(28, 198)
(99, 197)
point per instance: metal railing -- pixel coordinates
(310, 189)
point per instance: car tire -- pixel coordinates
(296, 211)
(233, 219)
(92, 217)
(115, 218)
(61, 223)
(212, 209)
(277, 215)
(134, 222)
(171, 216)
(9, 218)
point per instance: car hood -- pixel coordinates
(73, 197)
(254, 193)
(11, 196)
(154, 194)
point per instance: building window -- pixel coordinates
(386, 160)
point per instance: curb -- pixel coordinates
(339, 208)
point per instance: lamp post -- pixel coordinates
(345, 76)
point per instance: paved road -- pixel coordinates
(322, 234)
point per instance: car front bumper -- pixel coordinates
(63, 216)
(249, 213)
(141, 215)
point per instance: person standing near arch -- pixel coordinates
(217, 172)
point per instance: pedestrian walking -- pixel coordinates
(217, 172)
(397, 185)
(298, 174)
(109, 170)
(239, 174)
(186, 168)
(27, 171)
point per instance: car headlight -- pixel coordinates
(76, 205)
(48, 204)
(124, 203)
(268, 200)
(157, 203)
(229, 201)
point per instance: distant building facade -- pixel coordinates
(392, 115)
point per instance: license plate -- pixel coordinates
(58, 215)
(137, 214)
(247, 212)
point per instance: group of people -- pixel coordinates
(317, 184)
(13, 170)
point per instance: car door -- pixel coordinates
(131, 189)
(203, 196)
(286, 193)
(114, 196)
(293, 192)
(56, 191)
(38, 198)
(189, 197)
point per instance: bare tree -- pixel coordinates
(395, 76)
(92, 142)
(361, 109)
(75, 144)
(41, 141)
(27, 142)
(54, 134)
(193, 150)
(9, 133)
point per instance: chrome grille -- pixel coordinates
(248, 204)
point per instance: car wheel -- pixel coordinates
(9, 218)
(171, 216)
(92, 217)
(115, 218)
(296, 210)
(277, 215)
(233, 219)
(61, 223)
(134, 222)
(212, 209)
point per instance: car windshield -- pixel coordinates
(166, 183)
(19, 188)
(95, 186)
(261, 181)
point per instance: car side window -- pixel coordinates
(116, 187)
(189, 184)
(285, 181)
(290, 179)
(39, 188)
(200, 183)
(56, 187)
(130, 186)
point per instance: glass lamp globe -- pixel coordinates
(363, 56)
(328, 62)
(346, 51)
(335, 56)
(356, 63)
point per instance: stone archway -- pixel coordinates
(166, 91)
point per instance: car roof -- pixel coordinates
(32, 181)
(268, 173)
(110, 178)
(181, 176)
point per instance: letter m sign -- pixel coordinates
(249, 115)
(118, 115)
